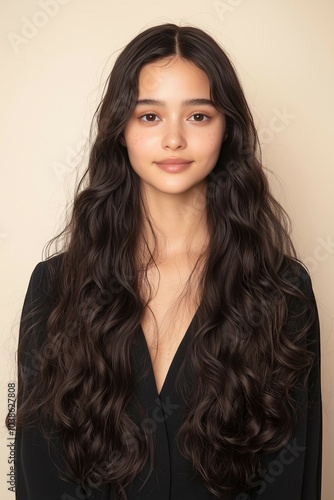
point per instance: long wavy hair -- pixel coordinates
(247, 352)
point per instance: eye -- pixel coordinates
(199, 117)
(149, 117)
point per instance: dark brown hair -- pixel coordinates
(247, 353)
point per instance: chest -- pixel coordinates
(167, 316)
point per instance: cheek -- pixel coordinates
(138, 150)
(213, 144)
(138, 141)
(134, 145)
(131, 135)
(216, 136)
(211, 150)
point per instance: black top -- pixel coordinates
(293, 473)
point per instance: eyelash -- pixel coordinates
(201, 114)
(147, 114)
(194, 114)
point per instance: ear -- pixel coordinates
(122, 141)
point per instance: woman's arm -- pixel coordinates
(294, 473)
(37, 466)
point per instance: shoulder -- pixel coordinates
(40, 299)
(302, 312)
(302, 309)
(297, 274)
(42, 284)
(45, 270)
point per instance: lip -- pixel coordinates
(173, 164)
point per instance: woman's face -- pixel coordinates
(175, 133)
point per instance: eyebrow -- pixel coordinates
(188, 102)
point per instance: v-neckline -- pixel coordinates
(175, 358)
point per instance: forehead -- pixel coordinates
(172, 76)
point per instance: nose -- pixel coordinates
(173, 137)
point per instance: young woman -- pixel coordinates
(170, 349)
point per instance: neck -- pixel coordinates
(178, 221)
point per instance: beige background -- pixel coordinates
(57, 54)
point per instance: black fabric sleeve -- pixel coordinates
(294, 473)
(36, 466)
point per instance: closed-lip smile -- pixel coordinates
(173, 161)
